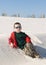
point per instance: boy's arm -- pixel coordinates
(28, 39)
(12, 41)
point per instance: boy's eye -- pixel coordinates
(18, 27)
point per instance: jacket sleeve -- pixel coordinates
(12, 40)
(28, 39)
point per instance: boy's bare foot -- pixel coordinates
(35, 55)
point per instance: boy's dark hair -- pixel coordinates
(17, 23)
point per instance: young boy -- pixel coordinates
(22, 40)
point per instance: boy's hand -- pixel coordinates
(11, 45)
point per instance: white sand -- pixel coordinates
(9, 56)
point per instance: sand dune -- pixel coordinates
(10, 56)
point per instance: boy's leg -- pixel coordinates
(30, 50)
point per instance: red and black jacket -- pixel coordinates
(12, 39)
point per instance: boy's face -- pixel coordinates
(17, 28)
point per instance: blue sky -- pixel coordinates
(23, 7)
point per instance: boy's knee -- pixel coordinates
(29, 45)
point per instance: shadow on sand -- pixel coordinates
(41, 51)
